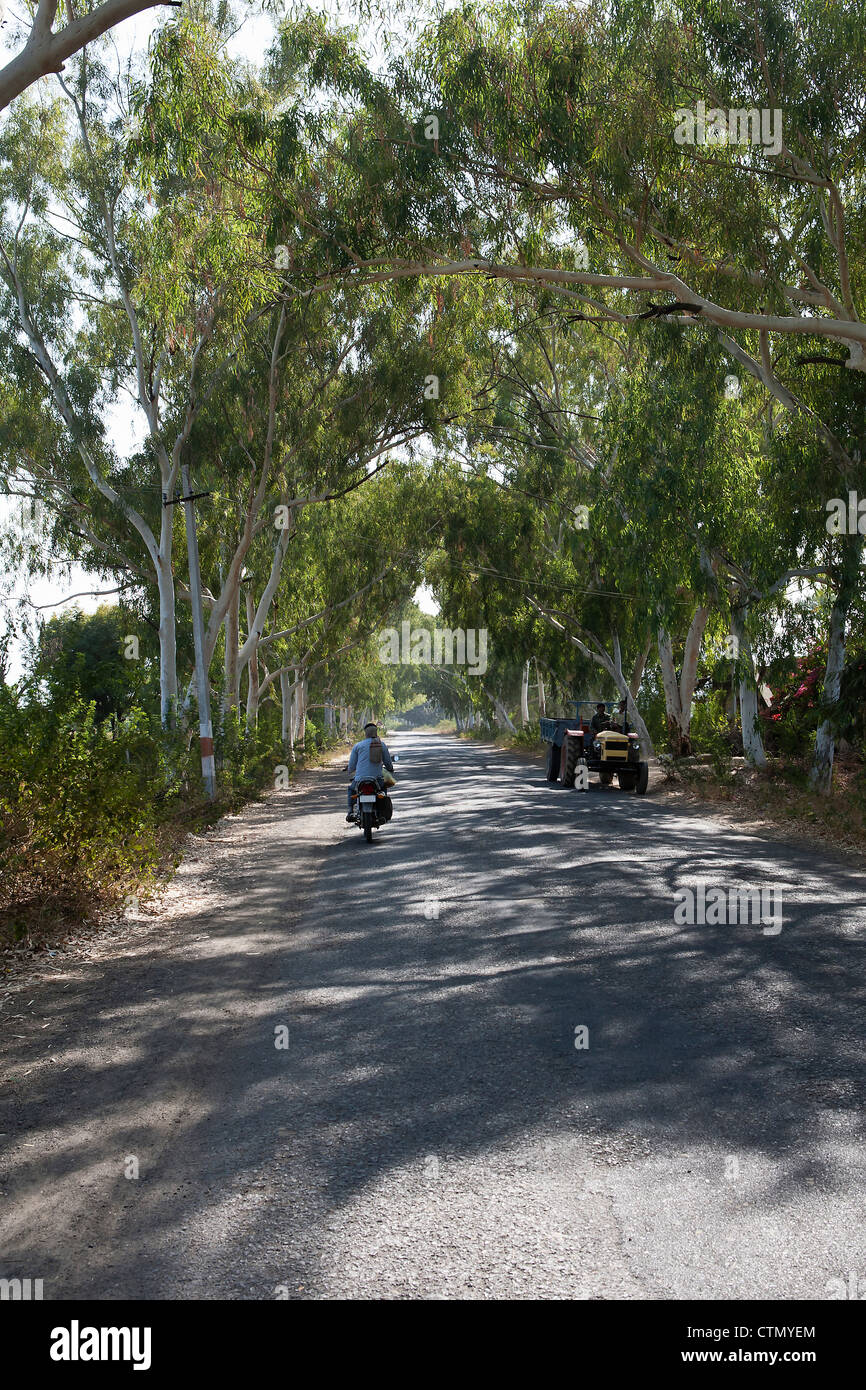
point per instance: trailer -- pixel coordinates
(576, 749)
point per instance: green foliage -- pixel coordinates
(793, 734)
(77, 822)
(290, 258)
(527, 736)
(85, 655)
(711, 732)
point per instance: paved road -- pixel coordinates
(431, 1130)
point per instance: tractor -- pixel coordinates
(576, 750)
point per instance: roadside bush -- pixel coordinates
(710, 731)
(792, 734)
(528, 737)
(91, 810)
(77, 822)
(651, 703)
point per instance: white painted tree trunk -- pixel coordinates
(167, 640)
(231, 695)
(524, 696)
(252, 664)
(300, 709)
(753, 744)
(821, 775)
(542, 707)
(691, 655)
(670, 685)
(256, 615)
(286, 722)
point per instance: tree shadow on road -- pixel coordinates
(431, 990)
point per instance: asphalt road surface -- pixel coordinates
(329, 1069)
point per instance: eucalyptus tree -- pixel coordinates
(108, 297)
(350, 563)
(804, 485)
(345, 399)
(54, 30)
(743, 210)
(706, 155)
(522, 564)
(711, 162)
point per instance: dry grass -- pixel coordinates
(779, 801)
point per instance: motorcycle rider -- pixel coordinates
(366, 761)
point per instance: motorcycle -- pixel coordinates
(372, 807)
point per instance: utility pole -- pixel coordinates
(205, 727)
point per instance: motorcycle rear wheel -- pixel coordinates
(368, 826)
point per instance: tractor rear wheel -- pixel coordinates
(627, 781)
(572, 753)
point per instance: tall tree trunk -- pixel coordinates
(253, 664)
(231, 694)
(286, 723)
(821, 775)
(753, 745)
(542, 708)
(167, 640)
(500, 712)
(524, 696)
(300, 709)
(635, 718)
(638, 669)
(679, 691)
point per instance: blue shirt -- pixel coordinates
(359, 761)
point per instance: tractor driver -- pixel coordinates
(599, 720)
